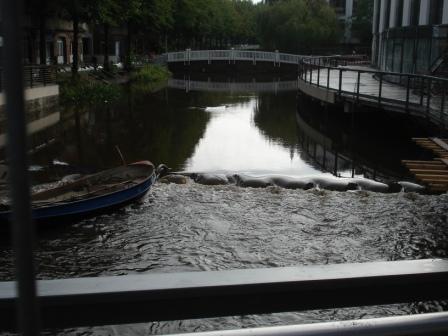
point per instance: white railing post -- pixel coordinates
(188, 51)
(277, 58)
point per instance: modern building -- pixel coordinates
(410, 36)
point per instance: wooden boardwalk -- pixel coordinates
(344, 83)
(434, 174)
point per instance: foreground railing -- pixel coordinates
(421, 94)
(174, 296)
(426, 324)
(34, 76)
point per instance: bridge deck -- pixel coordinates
(371, 91)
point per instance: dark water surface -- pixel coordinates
(198, 228)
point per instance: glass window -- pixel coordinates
(60, 47)
(399, 14)
(423, 54)
(415, 12)
(436, 12)
(408, 52)
(386, 16)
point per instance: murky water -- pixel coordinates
(198, 228)
(204, 125)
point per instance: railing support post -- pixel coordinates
(380, 90)
(22, 227)
(31, 77)
(358, 85)
(422, 89)
(318, 76)
(442, 108)
(428, 100)
(340, 82)
(408, 84)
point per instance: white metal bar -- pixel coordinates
(175, 296)
(411, 325)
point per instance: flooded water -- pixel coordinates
(198, 228)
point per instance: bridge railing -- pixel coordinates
(421, 94)
(35, 75)
(275, 86)
(233, 56)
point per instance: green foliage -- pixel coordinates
(362, 21)
(150, 78)
(296, 25)
(151, 73)
(82, 93)
(156, 25)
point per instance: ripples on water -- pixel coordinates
(199, 228)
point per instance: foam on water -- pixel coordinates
(198, 228)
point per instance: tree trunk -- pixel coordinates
(128, 47)
(42, 31)
(106, 47)
(75, 50)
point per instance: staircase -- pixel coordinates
(440, 67)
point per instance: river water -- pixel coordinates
(193, 227)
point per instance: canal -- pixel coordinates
(192, 227)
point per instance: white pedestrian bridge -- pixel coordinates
(231, 56)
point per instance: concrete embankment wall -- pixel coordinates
(42, 110)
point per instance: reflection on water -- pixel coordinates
(213, 129)
(233, 142)
(368, 143)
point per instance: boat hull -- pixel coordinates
(73, 211)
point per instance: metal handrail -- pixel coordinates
(35, 76)
(139, 298)
(427, 99)
(306, 60)
(232, 55)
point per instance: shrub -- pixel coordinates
(82, 92)
(151, 73)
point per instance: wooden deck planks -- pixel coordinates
(434, 174)
(437, 146)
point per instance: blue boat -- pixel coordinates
(91, 194)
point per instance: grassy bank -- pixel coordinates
(150, 77)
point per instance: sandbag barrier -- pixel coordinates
(287, 182)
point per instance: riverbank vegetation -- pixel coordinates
(150, 78)
(81, 93)
(151, 73)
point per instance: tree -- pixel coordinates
(76, 11)
(297, 25)
(362, 21)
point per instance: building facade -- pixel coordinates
(410, 36)
(58, 38)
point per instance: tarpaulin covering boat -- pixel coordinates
(90, 194)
